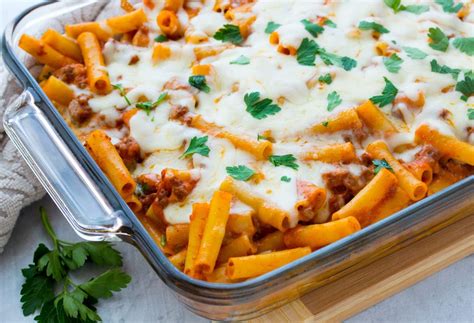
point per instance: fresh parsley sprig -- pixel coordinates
(199, 82)
(370, 25)
(388, 94)
(161, 39)
(344, 62)
(271, 27)
(148, 106)
(229, 33)
(312, 28)
(306, 53)
(465, 45)
(393, 63)
(197, 145)
(334, 100)
(74, 302)
(284, 160)
(260, 109)
(444, 69)
(240, 172)
(438, 40)
(448, 6)
(466, 87)
(470, 114)
(414, 53)
(397, 6)
(326, 78)
(122, 92)
(241, 60)
(381, 163)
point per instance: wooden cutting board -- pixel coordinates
(380, 279)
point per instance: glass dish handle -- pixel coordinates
(63, 177)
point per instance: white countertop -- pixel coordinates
(447, 296)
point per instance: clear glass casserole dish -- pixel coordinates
(96, 211)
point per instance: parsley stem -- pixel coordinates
(48, 227)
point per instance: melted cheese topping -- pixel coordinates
(282, 79)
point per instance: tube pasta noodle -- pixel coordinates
(344, 153)
(213, 232)
(375, 119)
(266, 212)
(196, 230)
(65, 45)
(319, 235)
(447, 145)
(106, 156)
(243, 143)
(260, 149)
(379, 188)
(58, 91)
(256, 265)
(44, 53)
(415, 188)
(97, 75)
(346, 120)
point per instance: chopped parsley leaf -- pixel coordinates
(414, 53)
(334, 99)
(443, 69)
(393, 63)
(240, 173)
(448, 6)
(394, 4)
(161, 38)
(439, 41)
(163, 240)
(326, 78)
(370, 25)
(470, 114)
(284, 160)
(288, 179)
(147, 106)
(388, 94)
(122, 92)
(325, 123)
(381, 163)
(416, 9)
(306, 53)
(345, 62)
(466, 87)
(229, 33)
(465, 45)
(330, 23)
(241, 60)
(271, 27)
(312, 28)
(197, 145)
(259, 109)
(199, 82)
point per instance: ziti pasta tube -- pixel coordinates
(346, 120)
(97, 75)
(214, 232)
(128, 22)
(415, 188)
(177, 236)
(374, 118)
(446, 145)
(241, 246)
(344, 153)
(196, 230)
(256, 265)
(44, 53)
(319, 235)
(58, 91)
(104, 153)
(62, 44)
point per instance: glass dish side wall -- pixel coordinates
(254, 297)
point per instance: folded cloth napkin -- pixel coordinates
(18, 185)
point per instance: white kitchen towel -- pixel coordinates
(18, 185)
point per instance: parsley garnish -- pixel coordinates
(466, 87)
(306, 53)
(369, 25)
(121, 90)
(345, 62)
(163, 240)
(414, 53)
(285, 179)
(439, 41)
(470, 114)
(330, 23)
(161, 38)
(197, 146)
(271, 27)
(199, 82)
(325, 123)
(148, 106)
(448, 6)
(397, 6)
(284, 160)
(393, 63)
(74, 302)
(388, 94)
(381, 163)
(241, 60)
(334, 99)
(240, 173)
(260, 137)
(326, 78)
(259, 109)
(443, 69)
(313, 29)
(465, 45)
(229, 33)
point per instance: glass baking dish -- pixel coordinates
(96, 211)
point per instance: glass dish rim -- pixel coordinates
(139, 233)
